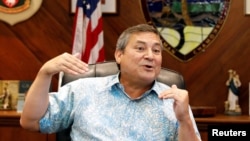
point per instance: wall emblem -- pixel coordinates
(10, 3)
(187, 27)
(15, 11)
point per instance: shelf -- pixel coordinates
(224, 119)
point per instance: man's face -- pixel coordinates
(141, 60)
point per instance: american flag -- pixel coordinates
(88, 31)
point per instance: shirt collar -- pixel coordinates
(114, 80)
(156, 88)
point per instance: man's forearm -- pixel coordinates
(36, 102)
(187, 132)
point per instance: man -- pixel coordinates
(128, 106)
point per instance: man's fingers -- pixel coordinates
(173, 92)
(72, 64)
(174, 86)
(77, 55)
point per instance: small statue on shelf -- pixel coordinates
(5, 98)
(232, 106)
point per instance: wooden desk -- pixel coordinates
(219, 120)
(10, 129)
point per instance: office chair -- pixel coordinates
(166, 76)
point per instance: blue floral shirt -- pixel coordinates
(99, 109)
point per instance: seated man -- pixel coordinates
(128, 106)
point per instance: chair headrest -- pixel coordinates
(166, 76)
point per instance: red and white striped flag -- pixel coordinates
(88, 31)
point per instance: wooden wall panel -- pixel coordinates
(25, 46)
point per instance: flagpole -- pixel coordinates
(61, 74)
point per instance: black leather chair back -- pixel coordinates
(166, 76)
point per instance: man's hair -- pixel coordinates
(124, 37)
